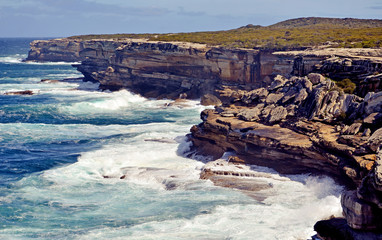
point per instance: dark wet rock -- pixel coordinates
(337, 229)
(49, 81)
(26, 92)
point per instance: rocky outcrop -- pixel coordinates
(168, 69)
(236, 175)
(362, 209)
(299, 125)
(56, 50)
(25, 92)
(295, 123)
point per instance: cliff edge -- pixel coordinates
(170, 69)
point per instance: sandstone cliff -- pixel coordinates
(169, 69)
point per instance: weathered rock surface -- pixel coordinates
(236, 175)
(320, 130)
(168, 69)
(209, 99)
(360, 214)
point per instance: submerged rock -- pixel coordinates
(25, 92)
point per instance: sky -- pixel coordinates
(63, 18)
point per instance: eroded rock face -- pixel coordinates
(318, 130)
(360, 214)
(55, 51)
(168, 69)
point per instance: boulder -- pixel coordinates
(266, 111)
(366, 132)
(368, 192)
(374, 102)
(209, 99)
(305, 83)
(301, 96)
(315, 78)
(278, 82)
(375, 140)
(259, 95)
(377, 181)
(251, 114)
(374, 119)
(274, 98)
(277, 114)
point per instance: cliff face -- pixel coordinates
(55, 51)
(153, 68)
(165, 69)
(160, 69)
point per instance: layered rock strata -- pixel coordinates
(300, 125)
(171, 69)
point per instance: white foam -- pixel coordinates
(120, 99)
(149, 170)
(91, 102)
(17, 58)
(51, 63)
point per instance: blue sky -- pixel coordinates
(61, 18)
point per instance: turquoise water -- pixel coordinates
(77, 163)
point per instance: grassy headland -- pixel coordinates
(289, 34)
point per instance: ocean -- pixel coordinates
(79, 163)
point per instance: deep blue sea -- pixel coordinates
(78, 163)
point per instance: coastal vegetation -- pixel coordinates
(346, 85)
(290, 34)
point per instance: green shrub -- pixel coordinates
(346, 85)
(304, 32)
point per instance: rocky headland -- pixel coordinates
(280, 109)
(170, 69)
